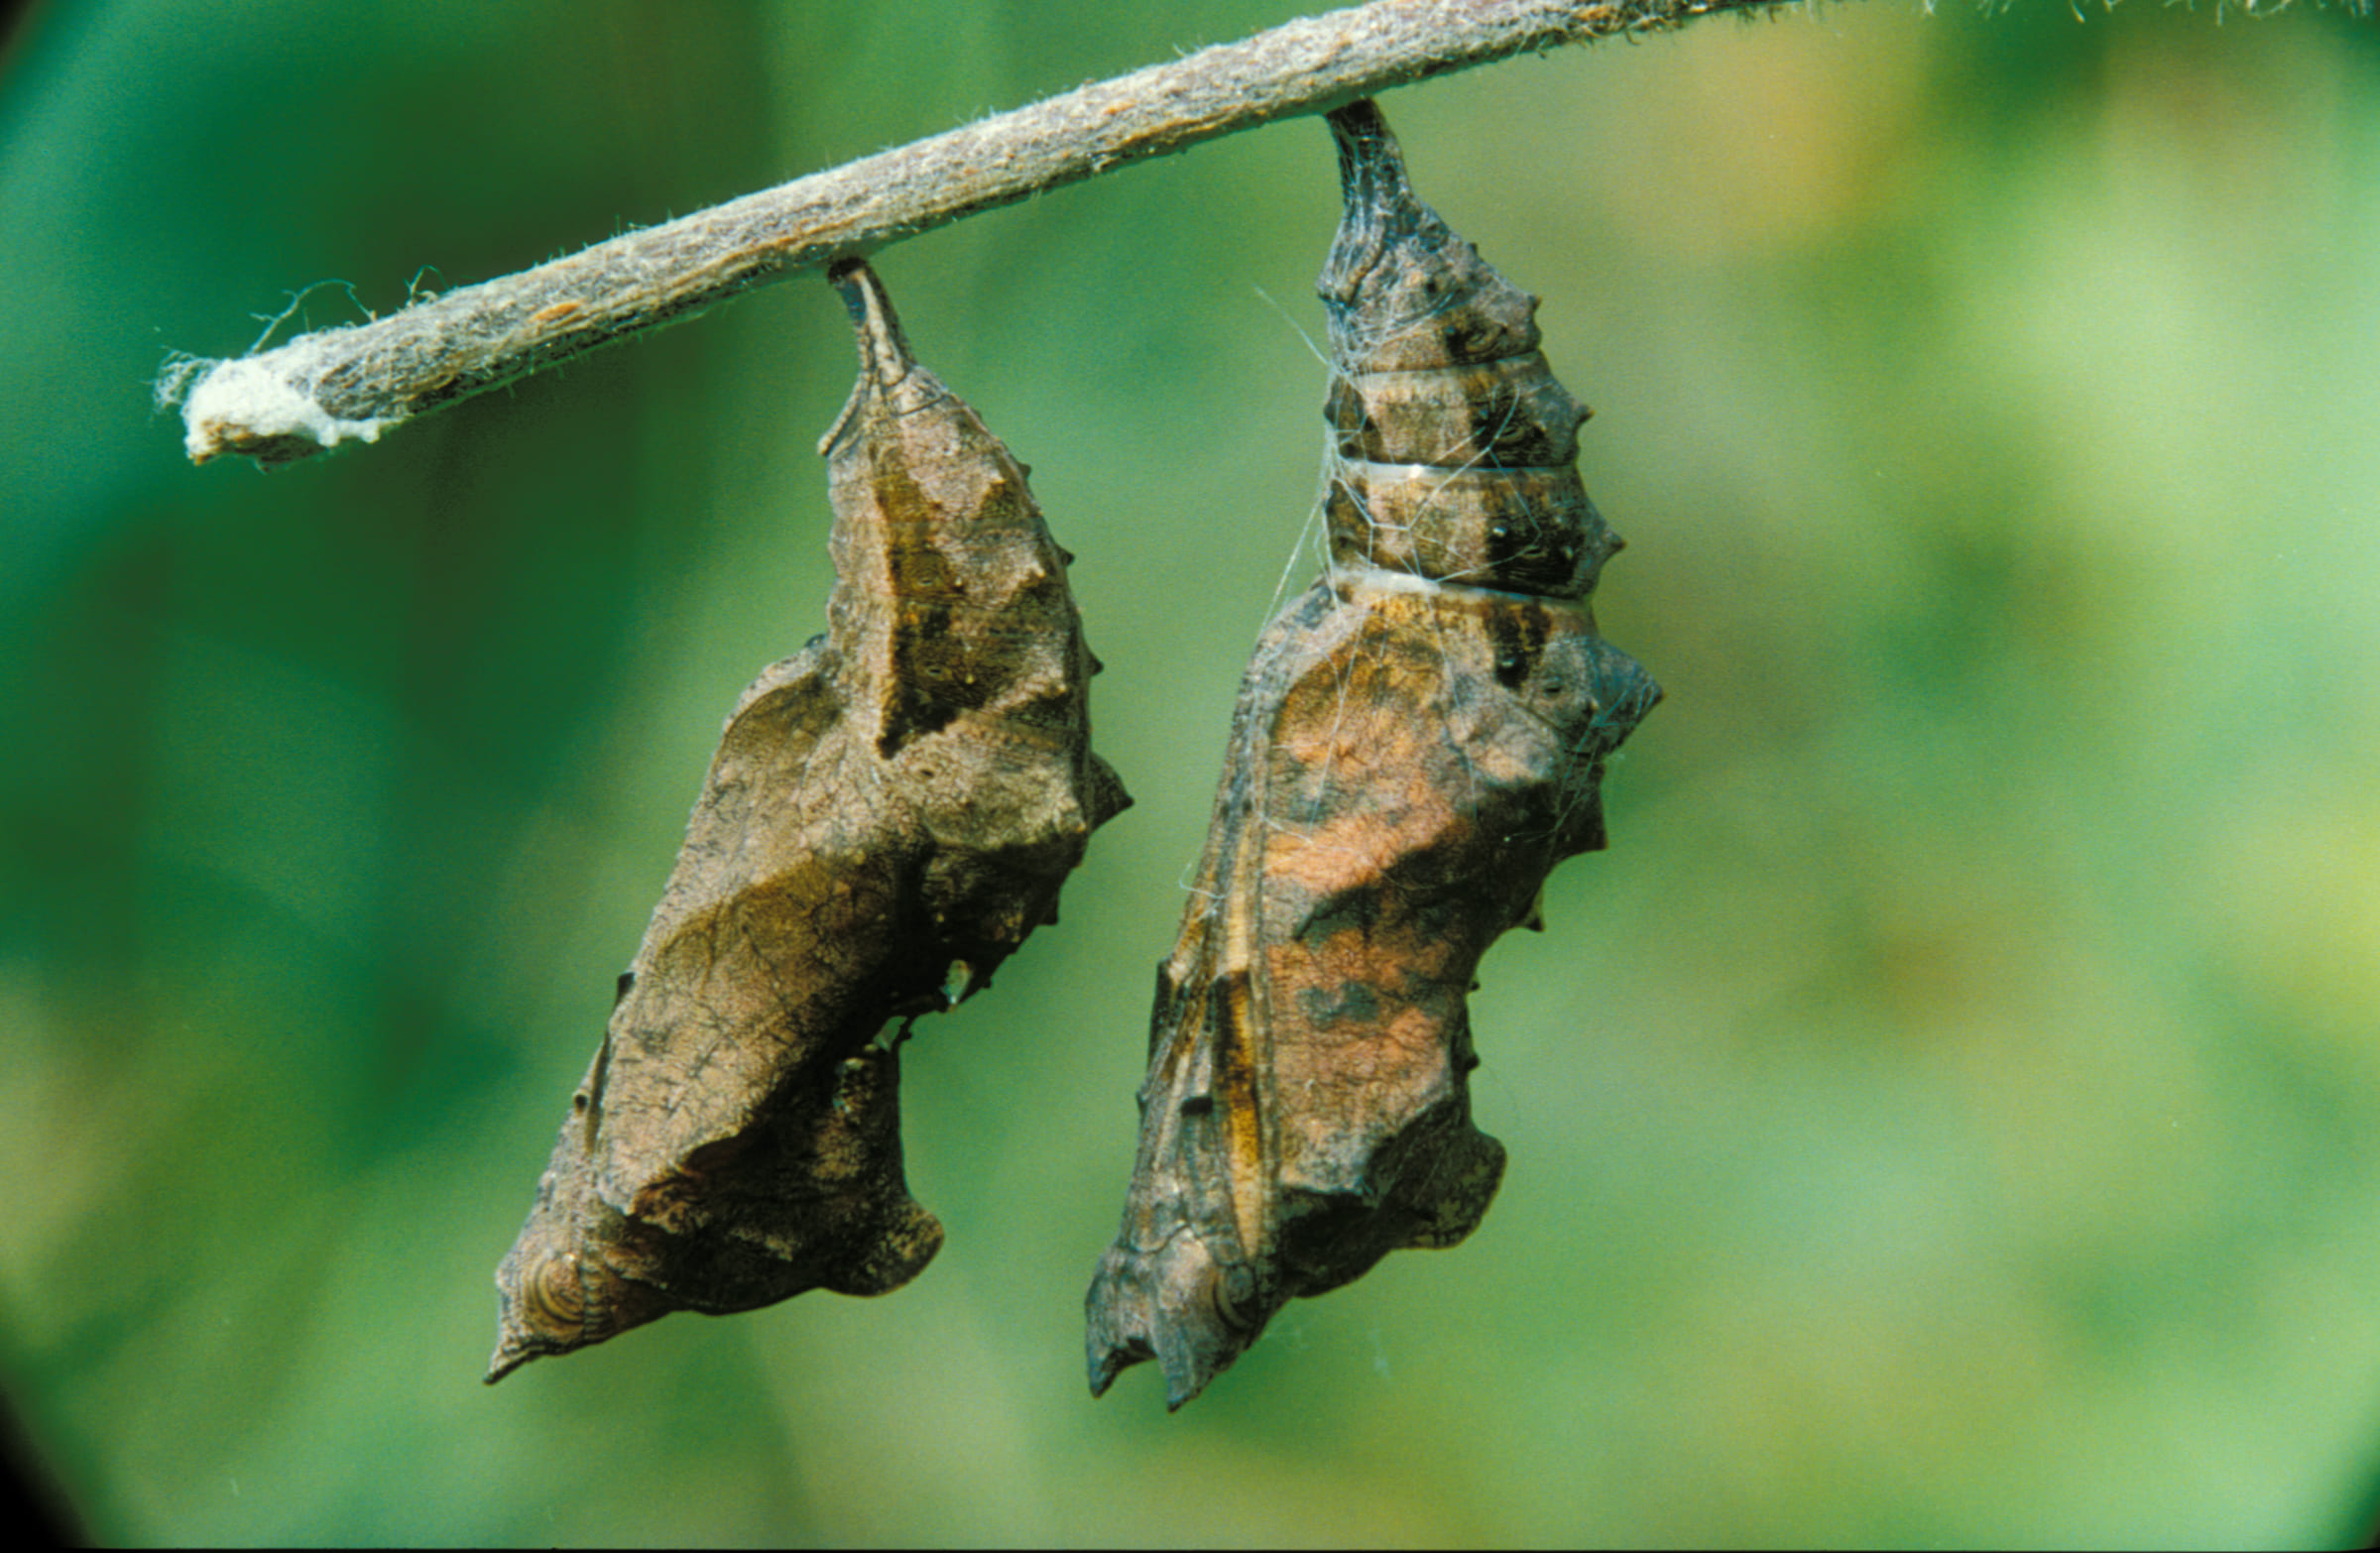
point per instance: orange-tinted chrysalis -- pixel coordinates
(890, 813)
(1419, 739)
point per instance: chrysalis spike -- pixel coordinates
(1378, 197)
(886, 363)
(885, 353)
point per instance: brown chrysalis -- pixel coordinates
(1419, 739)
(890, 813)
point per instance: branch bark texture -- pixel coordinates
(354, 383)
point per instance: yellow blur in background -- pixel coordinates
(1947, 1115)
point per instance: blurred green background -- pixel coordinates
(1948, 1113)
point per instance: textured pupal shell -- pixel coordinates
(1454, 448)
(890, 814)
(1419, 739)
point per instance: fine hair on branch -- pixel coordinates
(354, 383)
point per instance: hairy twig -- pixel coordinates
(354, 383)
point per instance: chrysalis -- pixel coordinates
(890, 813)
(1419, 739)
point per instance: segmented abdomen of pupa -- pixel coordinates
(890, 813)
(1454, 450)
(1418, 740)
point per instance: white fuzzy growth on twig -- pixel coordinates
(266, 410)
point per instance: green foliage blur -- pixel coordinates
(1948, 1113)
